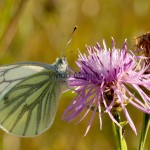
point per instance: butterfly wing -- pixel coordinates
(29, 101)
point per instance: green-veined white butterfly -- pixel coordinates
(29, 95)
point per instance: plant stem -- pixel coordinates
(145, 128)
(119, 139)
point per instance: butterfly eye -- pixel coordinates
(64, 81)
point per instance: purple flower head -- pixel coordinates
(104, 84)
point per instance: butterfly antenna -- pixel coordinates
(69, 40)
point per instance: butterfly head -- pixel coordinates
(61, 64)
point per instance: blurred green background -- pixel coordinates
(37, 30)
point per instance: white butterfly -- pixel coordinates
(29, 96)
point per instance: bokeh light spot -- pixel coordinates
(90, 8)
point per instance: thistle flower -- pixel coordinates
(107, 82)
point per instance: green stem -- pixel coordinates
(145, 128)
(10, 30)
(117, 131)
